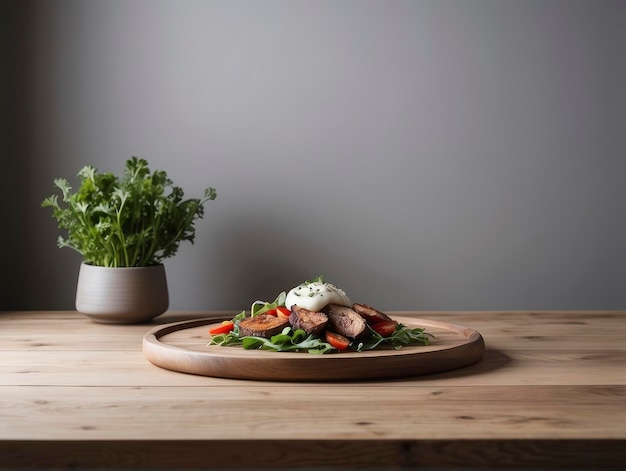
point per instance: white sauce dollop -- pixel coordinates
(315, 295)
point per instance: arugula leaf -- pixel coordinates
(280, 299)
(288, 340)
(402, 337)
(260, 307)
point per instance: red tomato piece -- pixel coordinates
(338, 341)
(271, 312)
(224, 328)
(385, 328)
(283, 310)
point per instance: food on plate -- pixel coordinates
(223, 328)
(314, 295)
(338, 341)
(373, 316)
(264, 325)
(312, 322)
(345, 321)
(317, 317)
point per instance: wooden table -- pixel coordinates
(549, 392)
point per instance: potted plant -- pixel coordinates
(124, 228)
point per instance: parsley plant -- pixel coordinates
(137, 220)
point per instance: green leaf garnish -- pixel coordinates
(287, 341)
(402, 337)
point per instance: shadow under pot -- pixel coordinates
(125, 295)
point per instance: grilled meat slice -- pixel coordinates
(312, 322)
(345, 321)
(263, 325)
(371, 315)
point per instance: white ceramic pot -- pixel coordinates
(121, 295)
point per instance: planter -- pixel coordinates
(121, 295)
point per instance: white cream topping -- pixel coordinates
(315, 295)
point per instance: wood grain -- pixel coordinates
(549, 392)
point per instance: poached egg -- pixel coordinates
(315, 295)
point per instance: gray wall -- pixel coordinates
(439, 154)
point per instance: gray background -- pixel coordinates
(421, 154)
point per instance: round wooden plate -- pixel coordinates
(183, 346)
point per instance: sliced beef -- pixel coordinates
(312, 322)
(345, 321)
(263, 325)
(371, 315)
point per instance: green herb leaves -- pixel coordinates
(401, 337)
(287, 341)
(135, 221)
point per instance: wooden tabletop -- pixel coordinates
(550, 391)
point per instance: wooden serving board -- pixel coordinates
(183, 347)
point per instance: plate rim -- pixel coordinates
(175, 357)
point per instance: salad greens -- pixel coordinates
(287, 340)
(261, 307)
(138, 220)
(403, 336)
(298, 340)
